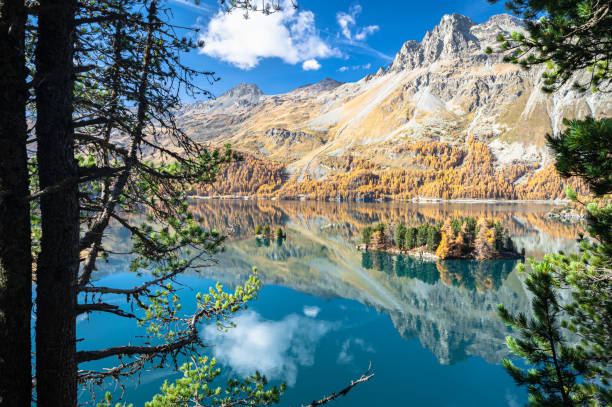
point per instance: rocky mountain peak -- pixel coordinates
(488, 31)
(243, 90)
(451, 23)
(449, 39)
(455, 37)
(321, 86)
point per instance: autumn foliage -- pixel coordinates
(460, 238)
(438, 170)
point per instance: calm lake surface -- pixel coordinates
(326, 311)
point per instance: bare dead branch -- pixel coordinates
(364, 378)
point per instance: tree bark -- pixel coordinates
(56, 368)
(15, 244)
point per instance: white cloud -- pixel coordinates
(345, 356)
(355, 67)
(311, 65)
(365, 31)
(274, 348)
(311, 311)
(290, 35)
(347, 21)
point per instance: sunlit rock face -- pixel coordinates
(442, 88)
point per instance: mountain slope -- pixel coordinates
(444, 89)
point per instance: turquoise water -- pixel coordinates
(327, 310)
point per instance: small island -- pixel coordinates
(462, 238)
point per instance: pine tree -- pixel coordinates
(400, 234)
(556, 367)
(570, 36)
(15, 240)
(366, 234)
(433, 238)
(410, 238)
(421, 237)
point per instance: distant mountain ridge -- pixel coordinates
(443, 89)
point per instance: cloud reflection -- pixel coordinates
(274, 348)
(311, 311)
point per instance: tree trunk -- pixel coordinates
(15, 245)
(58, 262)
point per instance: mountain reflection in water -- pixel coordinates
(327, 309)
(449, 305)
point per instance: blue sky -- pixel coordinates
(339, 39)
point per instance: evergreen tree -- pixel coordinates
(421, 237)
(570, 36)
(566, 36)
(456, 226)
(400, 234)
(410, 238)
(584, 150)
(15, 240)
(469, 229)
(433, 238)
(366, 234)
(553, 379)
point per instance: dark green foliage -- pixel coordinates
(196, 387)
(470, 228)
(366, 260)
(381, 227)
(366, 234)
(266, 231)
(456, 226)
(433, 238)
(405, 266)
(567, 36)
(499, 236)
(508, 242)
(584, 150)
(382, 262)
(410, 238)
(400, 234)
(559, 374)
(421, 237)
(599, 220)
(258, 230)
(279, 233)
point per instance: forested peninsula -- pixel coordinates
(461, 238)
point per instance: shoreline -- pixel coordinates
(556, 202)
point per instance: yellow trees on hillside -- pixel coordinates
(441, 170)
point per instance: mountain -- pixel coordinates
(441, 95)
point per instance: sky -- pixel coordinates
(339, 39)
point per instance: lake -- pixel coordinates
(429, 329)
